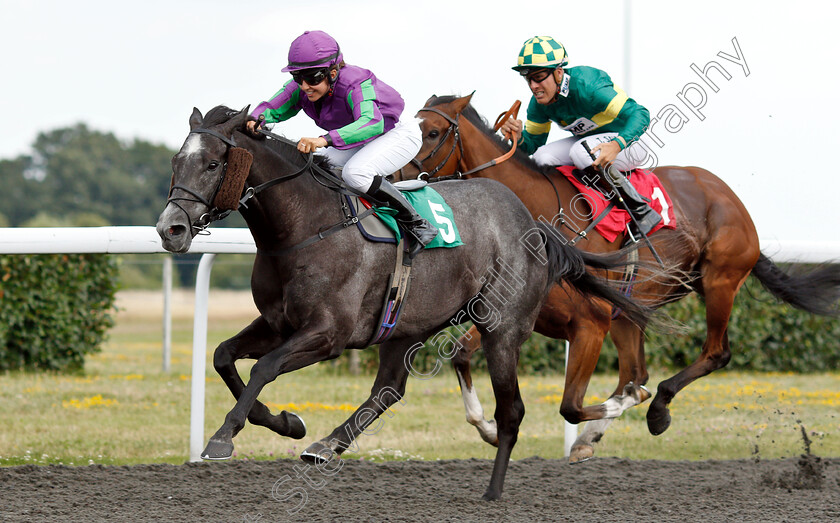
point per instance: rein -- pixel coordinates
(459, 145)
(331, 182)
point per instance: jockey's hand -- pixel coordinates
(308, 145)
(253, 126)
(512, 129)
(609, 151)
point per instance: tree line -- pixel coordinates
(81, 177)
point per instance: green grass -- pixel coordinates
(124, 410)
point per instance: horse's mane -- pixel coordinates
(480, 122)
(221, 114)
(218, 115)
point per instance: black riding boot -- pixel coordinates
(421, 231)
(645, 216)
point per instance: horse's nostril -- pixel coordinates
(176, 230)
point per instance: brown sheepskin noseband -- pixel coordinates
(238, 165)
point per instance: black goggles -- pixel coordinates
(310, 76)
(538, 76)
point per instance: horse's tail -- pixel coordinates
(570, 264)
(816, 291)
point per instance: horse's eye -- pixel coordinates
(213, 165)
(434, 134)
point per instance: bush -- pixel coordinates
(54, 309)
(764, 335)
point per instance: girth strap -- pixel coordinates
(398, 284)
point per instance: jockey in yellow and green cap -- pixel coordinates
(584, 101)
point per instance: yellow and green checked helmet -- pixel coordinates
(541, 52)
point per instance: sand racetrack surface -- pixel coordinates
(604, 489)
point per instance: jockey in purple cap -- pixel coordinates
(361, 115)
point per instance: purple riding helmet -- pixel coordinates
(313, 49)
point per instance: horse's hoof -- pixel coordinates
(644, 394)
(489, 433)
(295, 424)
(491, 496)
(492, 439)
(217, 449)
(658, 423)
(318, 454)
(581, 453)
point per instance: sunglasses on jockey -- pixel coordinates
(312, 77)
(537, 76)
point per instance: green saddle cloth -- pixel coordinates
(431, 205)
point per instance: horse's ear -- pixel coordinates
(237, 121)
(430, 100)
(196, 119)
(461, 103)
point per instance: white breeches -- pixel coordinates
(570, 151)
(382, 156)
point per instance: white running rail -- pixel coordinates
(145, 240)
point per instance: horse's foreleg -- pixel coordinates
(388, 389)
(585, 339)
(304, 348)
(719, 290)
(254, 341)
(632, 371)
(469, 343)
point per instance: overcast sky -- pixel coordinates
(138, 68)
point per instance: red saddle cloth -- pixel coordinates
(615, 223)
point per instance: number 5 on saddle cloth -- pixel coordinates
(383, 227)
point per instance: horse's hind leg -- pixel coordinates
(254, 341)
(632, 376)
(388, 389)
(469, 343)
(629, 340)
(502, 354)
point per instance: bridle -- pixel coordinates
(318, 173)
(457, 144)
(214, 214)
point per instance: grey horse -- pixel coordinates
(319, 287)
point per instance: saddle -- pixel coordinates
(382, 227)
(611, 221)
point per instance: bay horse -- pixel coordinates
(319, 287)
(715, 244)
